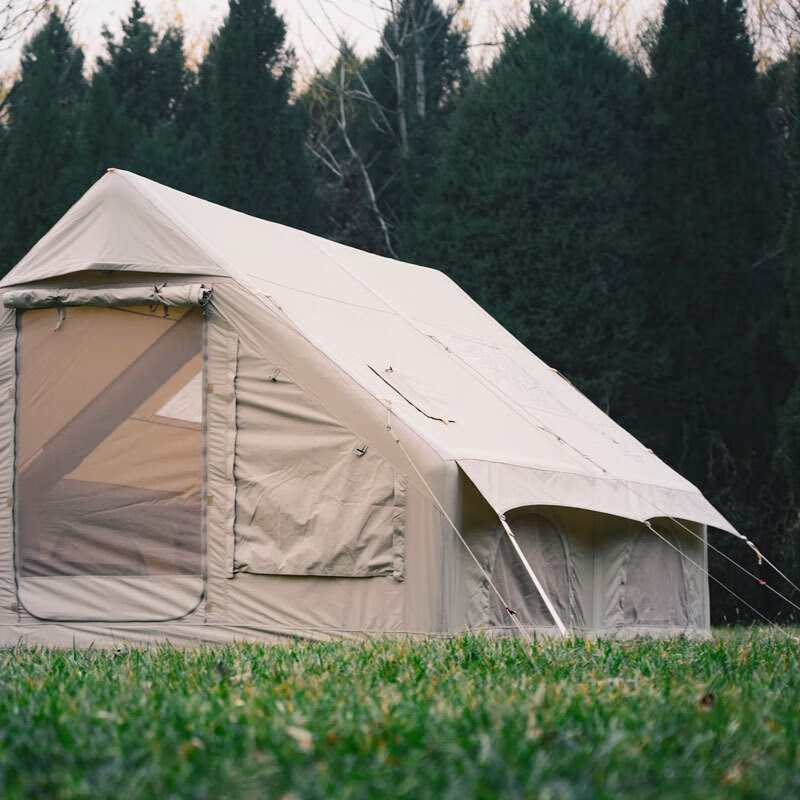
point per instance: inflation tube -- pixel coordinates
(536, 582)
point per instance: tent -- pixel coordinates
(216, 427)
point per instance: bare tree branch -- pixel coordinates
(17, 17)
(365, 174)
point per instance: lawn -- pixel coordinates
(468, 717)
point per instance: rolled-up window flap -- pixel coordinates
(193, 294)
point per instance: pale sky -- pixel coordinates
(313, 25)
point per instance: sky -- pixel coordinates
(313, 25)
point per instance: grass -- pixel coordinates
(469, 717)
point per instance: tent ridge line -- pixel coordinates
(69, 267)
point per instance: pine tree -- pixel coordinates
(790, 413)
(136, 98)
(533, 208)
(707, 189)
(45, 167)
(256, 159)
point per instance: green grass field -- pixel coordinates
(470, 717)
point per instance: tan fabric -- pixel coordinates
(114, 227)
(8, 339)
(304, 511)
(359, 309)
(158, 294)
(121, 599)
(311, 499)
(508, 486)
(411, 391)
(547, 551)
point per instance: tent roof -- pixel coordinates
(523, 434)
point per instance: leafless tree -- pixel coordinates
(402, 28)
(17, 17)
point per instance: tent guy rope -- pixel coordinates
(525, 413)
(766, 619)
(452, 524)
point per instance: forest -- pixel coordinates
(633, 217)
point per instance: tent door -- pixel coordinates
(109, 463)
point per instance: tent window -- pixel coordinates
(310, 498)
(654, 590)
(546, 551)
(109, 442)
(415, 393)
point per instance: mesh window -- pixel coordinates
(654, 591)
(546, 551)
(109, 442)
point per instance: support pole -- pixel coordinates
(539, 588)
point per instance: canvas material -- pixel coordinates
(159, 294)
(113, 226)
(97, 599)
(609, 583)
(311, 499)
(511, 410)
(193, 632)
(336, 603)
(330, 312)
(8, 340)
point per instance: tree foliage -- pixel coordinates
(706, 172)
(533, 207)
(137, 94)
(378, 122)
(256, 160)
(45, 166)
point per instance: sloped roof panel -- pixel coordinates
(511, 410)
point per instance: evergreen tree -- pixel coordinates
(533, 209)
(708, 191)
(715, 200)
(256, 159)
(790, 413)
(45, 168)
(136, 97)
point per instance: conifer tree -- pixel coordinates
(45, 168)
(790, 413)
(533, 208)
(706, 186)
(136, 98)
(256, 159)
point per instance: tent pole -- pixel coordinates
(550, 607)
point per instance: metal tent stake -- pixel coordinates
(537, 584)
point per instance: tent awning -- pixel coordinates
(507, 486)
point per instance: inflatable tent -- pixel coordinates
(217, 427)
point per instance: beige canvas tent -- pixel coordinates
(217, 427)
